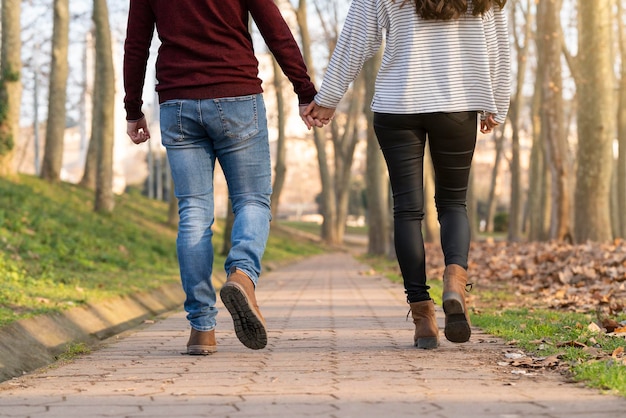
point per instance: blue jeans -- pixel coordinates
(195, 133)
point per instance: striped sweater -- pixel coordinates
(427, 66)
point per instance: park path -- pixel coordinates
(339, 346)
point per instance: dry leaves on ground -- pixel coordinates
(588, 277)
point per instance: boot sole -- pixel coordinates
(249, 328)
(427, 343)
(201, 350)
(457, 329)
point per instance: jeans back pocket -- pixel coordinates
(239, 116)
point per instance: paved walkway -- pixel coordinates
(339, 346)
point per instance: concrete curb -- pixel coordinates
(28, 344)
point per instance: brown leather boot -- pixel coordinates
(238, 297)
(426, 331)
(201, 343)
(457, 328)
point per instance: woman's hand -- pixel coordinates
(487, 124)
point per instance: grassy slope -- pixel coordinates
(55, 252)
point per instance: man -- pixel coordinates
(212, 108)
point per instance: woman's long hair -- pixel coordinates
(451, 9)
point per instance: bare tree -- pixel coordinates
(280, 165)
(549, 47)
(492, 199)
(104, 105)
(522, 37)
(10, 84)
(344, 135)
(431, 219)
(376, 178)
(621, 130)
(91, 161)
(328, 198)
(57, 94)
(91, 153)
(593, 73)
(344, 144)
(538, 206)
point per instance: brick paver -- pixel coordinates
(339, 346)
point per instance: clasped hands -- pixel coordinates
(314, 115)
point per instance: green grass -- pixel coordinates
(73, 351)
(56, 252)
(542, 332)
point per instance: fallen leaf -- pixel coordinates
(571, 344)
(593, 327)
(514, 355)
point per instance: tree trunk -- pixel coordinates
(376, 177)
(88, 146)
(492, 199)
(10, 84)
(538, 175)
(431, 222)
(621, 129)
(550, 46)
(91, 159)
(521, 47)
(344, 145)
(280, 166)
(328, 202)
(595, 122)
(59, 70)
(104, 106)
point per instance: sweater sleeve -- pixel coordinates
(498, 48)
(139, 32)
(360, 39)
(280, 41)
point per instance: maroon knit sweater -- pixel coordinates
(206, 50)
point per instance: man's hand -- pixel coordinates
(138, 130)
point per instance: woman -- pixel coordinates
(444, 63)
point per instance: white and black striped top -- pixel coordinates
(428, 65)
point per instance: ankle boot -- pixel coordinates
(426, 331)
(238, 296)
(457, 328)
(201, 343)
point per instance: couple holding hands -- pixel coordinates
(444, 75)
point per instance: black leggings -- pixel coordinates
(452, 138)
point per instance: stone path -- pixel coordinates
(339, 346)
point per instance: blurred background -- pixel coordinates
(556, 170)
